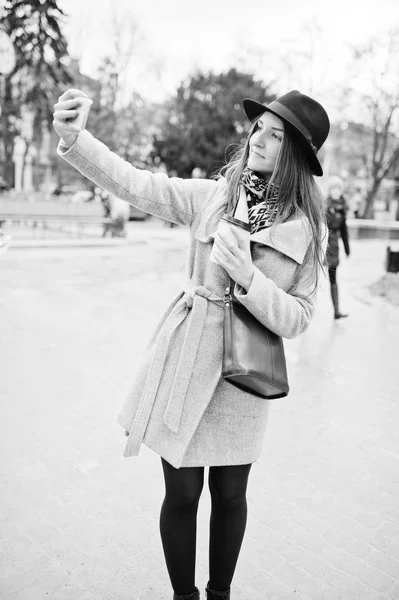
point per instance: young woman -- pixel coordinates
(180, 405)
(336, 223)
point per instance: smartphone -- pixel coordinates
(83, 109)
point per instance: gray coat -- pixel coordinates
(180, 406)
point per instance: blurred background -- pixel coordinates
(168, 79)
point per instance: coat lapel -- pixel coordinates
(291, 238)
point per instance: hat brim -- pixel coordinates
(254, 109)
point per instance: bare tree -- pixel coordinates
(377, 105)
(115, 68)
(294, 63)
(121, 117)
(303, 66)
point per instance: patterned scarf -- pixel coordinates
(262, 200)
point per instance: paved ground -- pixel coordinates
(80, 522)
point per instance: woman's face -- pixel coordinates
(265, 144)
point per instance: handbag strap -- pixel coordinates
(228, 296)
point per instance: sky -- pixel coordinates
(179, 36)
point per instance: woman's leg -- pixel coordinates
(228, 486)
(178, 524)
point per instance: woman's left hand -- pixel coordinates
(233, 253)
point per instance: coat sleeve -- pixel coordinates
(169, 198)
(287, 314)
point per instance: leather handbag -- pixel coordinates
(253, 356)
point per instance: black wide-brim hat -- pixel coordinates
(306, 120)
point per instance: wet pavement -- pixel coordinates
(80, 522)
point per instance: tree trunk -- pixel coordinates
(8, 134)
(371, 194)
(27, 147)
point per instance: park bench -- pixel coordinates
(51, 214)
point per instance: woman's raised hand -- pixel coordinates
(232, 252)
(70, 115)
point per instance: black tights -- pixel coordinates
(178, 523)
(332, 274)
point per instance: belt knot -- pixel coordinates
(199, 290)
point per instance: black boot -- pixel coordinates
(214, 595)
(195, 595)
(334, 297)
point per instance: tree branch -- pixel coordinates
(385, 134)
(394, 158)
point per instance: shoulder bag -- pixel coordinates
(253, 356)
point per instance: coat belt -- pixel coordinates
(195, 298)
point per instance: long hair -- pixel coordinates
(298, 192)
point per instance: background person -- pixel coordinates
(120, 213)
(5, 240)
(180, 406)
(357, 203)
(104, 198)
(337, 228)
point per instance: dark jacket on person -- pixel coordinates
(336, 223)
